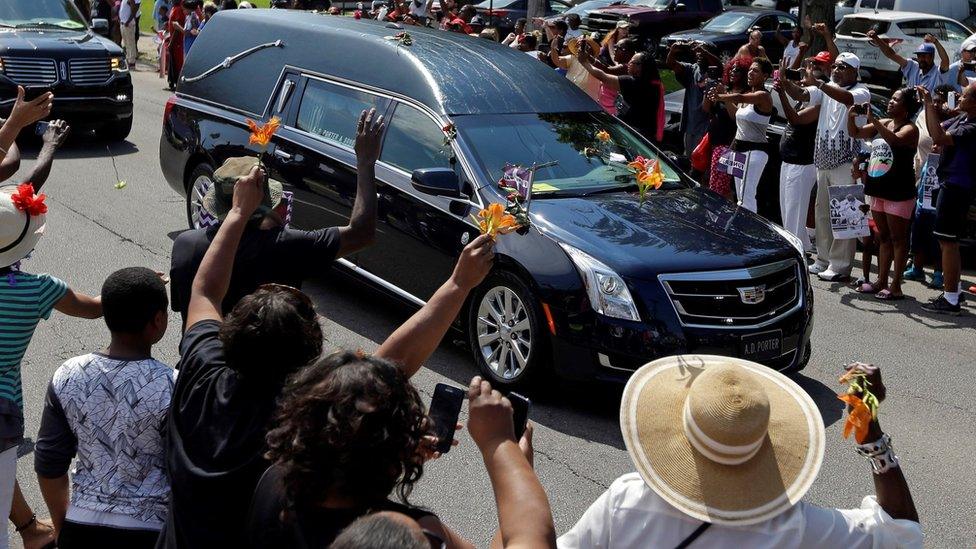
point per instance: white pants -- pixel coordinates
(8, 475)
(796, 184)
(746, 187)
(837, 254)
(129, 42)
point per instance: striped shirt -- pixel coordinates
(22, 305)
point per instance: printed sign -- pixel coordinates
(929, 181)
(733, 163)
(848, 211)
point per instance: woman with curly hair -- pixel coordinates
(351, 430)
(721, 127)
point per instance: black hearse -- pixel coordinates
(48, 45)
(598, 286)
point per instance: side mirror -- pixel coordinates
(436, 182)
(100, 26)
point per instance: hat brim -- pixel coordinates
(219, 209)
(772, 481)
(35, 230)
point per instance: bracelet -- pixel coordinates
(881, 453)
(32, 520)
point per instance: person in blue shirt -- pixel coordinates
(921, 71)
(161, 14)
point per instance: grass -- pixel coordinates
(146, 19)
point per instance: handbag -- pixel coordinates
(702, 155)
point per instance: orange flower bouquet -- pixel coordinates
(863, 403)
(494, 221)
(261, 134)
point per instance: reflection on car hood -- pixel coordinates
(73, 43)
(703, 35)
(674, 231)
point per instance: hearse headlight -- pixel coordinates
(607, 291)
(119, 64)
(790, 237)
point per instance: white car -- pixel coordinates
(960, 10)
(904, 31)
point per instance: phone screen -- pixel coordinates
(520, 413)
(41, 127)
(445, 407)
(714, 73)
(793, 74)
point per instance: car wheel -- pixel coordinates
(117, 130)
(726, 56)
(201, 179)
(504, 331)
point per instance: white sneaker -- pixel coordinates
(831, 276)
(817, 268)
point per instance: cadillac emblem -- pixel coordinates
(752, 295)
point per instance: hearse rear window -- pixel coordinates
(333, 111)
(414, 141)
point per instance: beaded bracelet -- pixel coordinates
(881, 453)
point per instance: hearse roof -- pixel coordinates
(451, 73)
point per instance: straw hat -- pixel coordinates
(574, 45)
(723, 440)
(21, 227)
(220, 195)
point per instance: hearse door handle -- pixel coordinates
(288, 157)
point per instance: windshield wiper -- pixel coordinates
(42, 25)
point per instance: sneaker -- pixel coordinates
(941, 305)
(830, 276)
(937, 282)
(914, 273)
(817, 268)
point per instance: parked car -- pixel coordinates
(584, 8)
(49, 46)
(652, 19)
(504, 13)
(729, 31)
(904, 31)
(960, 10)
(598, 284)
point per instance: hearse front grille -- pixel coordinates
(87, 72)
(28, 71)
(737, 298)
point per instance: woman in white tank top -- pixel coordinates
(753, 110)
(793, 48)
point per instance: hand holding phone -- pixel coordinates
(520, 413)
(794, 75)
(445, 407)
(490, 416)
(860, 109)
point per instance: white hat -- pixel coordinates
(21, 222)
(849, 58)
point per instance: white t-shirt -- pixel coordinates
(629, 514)
(125, 12)
(418, 12)
(570, 33)
(834, 145)
(790, 53)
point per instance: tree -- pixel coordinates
(818, 11)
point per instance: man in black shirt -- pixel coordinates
(270, 252)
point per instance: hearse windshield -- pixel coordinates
(582, 163)
(45, 14)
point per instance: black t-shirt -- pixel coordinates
(637, 104)
(280, 255)
(216, 429)
(891, 171)
(796, 146)
(269, 528)
(721, 129)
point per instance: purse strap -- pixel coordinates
(694, 535)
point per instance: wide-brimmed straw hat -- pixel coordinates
(20, 227)
(220, 195)
(574, 45)
(723, 440)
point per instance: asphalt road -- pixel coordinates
(928, 362)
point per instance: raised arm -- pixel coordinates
(837, 93)
(760, 98)
(524, 516)
(23, 114)
(906, 136)
(798, 62)
(417, 338)
(672, 60)
(932, 124)
(558, 60)
(886, 49)
(55, 136)
(361, 230)
(609, 80)
(822, 30)
(943, 55)
(807, 115)
(859, 132)
(213, 277)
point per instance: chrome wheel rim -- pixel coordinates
(199, 216)
(504, 332)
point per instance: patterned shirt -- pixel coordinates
(834, 146)
(22, 305)
(112, 414)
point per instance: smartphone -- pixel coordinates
(861, 109)
(951, 100)
(713, 73)
(41, 127)
(520, 413)
(794, 75)
(33, 92)
(445, 407)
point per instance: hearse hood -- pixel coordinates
(69, 44)
(674, 231)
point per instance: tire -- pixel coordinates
(117, 130)
(507, 357)
(201, 179)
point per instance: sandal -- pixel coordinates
(867, 288)
(886, 295)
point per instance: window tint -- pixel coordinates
(766, 23)
(850, 26)
(955, 31)
(333, 111)
(920, 27)
(882, 4)
(414, 141)
(785, 22)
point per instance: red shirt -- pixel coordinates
(459, 25)
(178, 15)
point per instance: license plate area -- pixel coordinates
(761, 346)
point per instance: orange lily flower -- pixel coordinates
(261, 134)
(493, 220)
(603, 135)
(639, 164)
(653, 178)
(858, 419)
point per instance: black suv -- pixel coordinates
(598, 285)
(47, 45)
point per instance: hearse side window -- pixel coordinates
(333, 111)
(414, 141)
